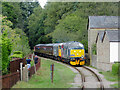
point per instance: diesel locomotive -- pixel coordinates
(69, 52)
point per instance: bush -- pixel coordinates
(115, 68)
(94, 51)
(17, 54)
(85, 43)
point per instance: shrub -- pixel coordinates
(115, 68)
(94, 52)
(17, 54)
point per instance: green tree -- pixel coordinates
(63, 21)
(6, 44)
(12, 40)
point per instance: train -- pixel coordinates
(71, 52)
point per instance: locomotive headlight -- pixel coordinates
(82, 56)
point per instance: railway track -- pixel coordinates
(89, 78)
(86, 83)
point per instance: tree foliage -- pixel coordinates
(18, 13)
(12, 40)
(65, 21)
(14, 30)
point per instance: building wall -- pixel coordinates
(114, 47)
(103, 54)
(92, 34)
(94, 61)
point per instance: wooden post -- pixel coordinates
(26, 70)
(35, 67)
(52, 69)
(32, 55)
(21, 71)
(25, 73)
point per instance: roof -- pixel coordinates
(113, 35)
(71, 44)
(104, 22)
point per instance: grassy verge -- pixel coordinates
(116, 85)
(111, 77)
(62, 77)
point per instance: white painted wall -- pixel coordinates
(114, 50)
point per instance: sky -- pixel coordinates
(42, 3)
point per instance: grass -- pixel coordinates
(91, 66)
(110, 76)
(116, 85)
(0, 39)
(62, 77)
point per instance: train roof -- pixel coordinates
(73, 43)
(39, 44)
(44, 44)
(69, 44)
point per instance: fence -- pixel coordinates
(15, 65)
(9, 80)
(32, 69)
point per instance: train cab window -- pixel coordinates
(78, 48)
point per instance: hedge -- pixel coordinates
(116, 68)
(17, 54)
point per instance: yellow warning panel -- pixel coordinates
(77, 52)
(82, 62)
(59, 52)
(72, 62)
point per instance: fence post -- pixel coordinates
(25, 73)
(35, 67)
(21, 71)
(32, 55)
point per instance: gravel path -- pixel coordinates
(104, 81)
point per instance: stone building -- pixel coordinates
(108, 46)
(99, 23)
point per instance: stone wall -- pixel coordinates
(94, 61)
(105, 66)
(103, 54)
(92, 35)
